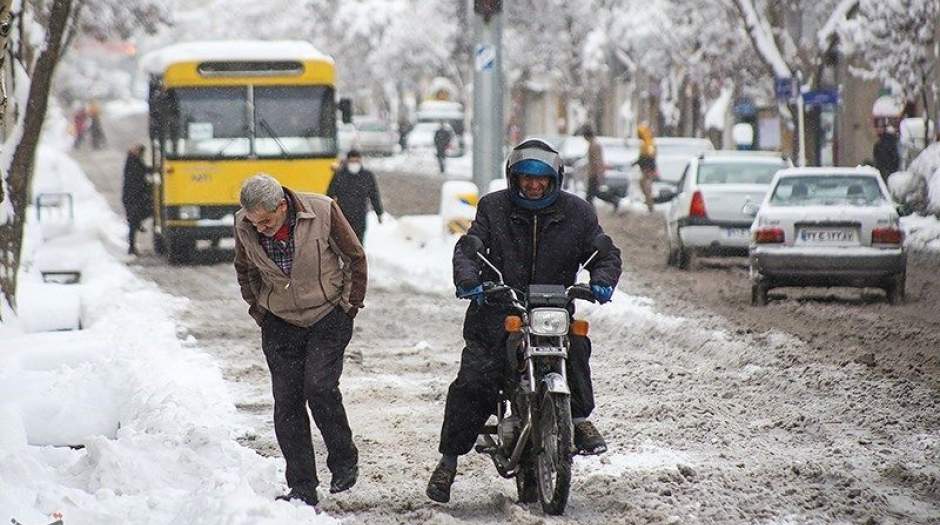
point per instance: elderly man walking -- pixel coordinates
(303, 274)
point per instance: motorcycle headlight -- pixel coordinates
(549, 321)
(188, 212)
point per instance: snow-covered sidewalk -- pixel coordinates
(120, 422)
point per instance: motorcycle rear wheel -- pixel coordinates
(553, 462)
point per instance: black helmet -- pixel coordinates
(534, 157)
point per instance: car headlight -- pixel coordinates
(549, 321)
(188, 212)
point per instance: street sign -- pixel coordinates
(821, 97)
(784, 88)
(484, 57)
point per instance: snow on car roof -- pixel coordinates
(743, 156)
(157, 61)
(830, 170)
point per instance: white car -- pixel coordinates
(707, 214)
(827, 227)
(347, 136)
(421, 137)
(375, 136)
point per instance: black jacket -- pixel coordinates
(529, 247)
(885, 151)
(135, 194)
(353, 192)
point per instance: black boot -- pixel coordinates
(305, 494)
(588, 440)
(441, 480)
(344, 479)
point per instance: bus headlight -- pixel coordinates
(188, 212)
(549, 321)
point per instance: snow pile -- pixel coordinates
(919, 186)
(717, 114)
(120, 422)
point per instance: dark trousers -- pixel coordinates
(441, 159)
(133, 224)
(474, 395)
(305, 365)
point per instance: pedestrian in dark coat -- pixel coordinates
(886, 154)
(442, 139)
(535, 233)
(303, 274)
(354, 188)
(136, 194)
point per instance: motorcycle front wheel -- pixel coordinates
(553, 462)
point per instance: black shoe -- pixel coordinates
(588, 440)
(344, 479)
(439, 485)
(304, 494)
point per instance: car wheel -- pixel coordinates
(759, 290)
(895, 288)
(683, 258)
(672, 254)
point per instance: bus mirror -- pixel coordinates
(345, 109)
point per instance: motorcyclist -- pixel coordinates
(534, 233)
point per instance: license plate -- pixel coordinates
(736, 233)
(828, 236)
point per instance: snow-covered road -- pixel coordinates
(710, 418)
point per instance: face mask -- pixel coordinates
(354, 167)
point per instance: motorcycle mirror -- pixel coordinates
(473, 245)
(602, 244)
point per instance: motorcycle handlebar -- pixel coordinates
(581, 291)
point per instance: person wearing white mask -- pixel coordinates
(353, 188)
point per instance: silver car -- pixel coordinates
(827, 227)
(707, 214)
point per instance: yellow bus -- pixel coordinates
(223, 111)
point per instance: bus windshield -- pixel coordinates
(215, 122)
(208, 122)
(294, 120)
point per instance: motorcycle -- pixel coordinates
(532, 439)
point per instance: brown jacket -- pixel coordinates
(329, 267)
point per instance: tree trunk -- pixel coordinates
(5, 26)
(21, 169)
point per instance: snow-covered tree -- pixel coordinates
(900, 42)
(38, 41)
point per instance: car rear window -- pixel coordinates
(737, 172)
(827, 190)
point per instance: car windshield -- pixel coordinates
(371, 126)
(827, 190)
(736, 172)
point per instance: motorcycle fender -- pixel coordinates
(556, 384)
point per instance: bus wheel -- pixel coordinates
(180, 248)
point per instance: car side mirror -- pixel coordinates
(472, 245)
(602, 244)
(750, 209)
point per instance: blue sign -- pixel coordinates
(821, 97)
(784, 88)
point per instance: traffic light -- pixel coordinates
(487, 8)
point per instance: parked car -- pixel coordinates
(375, 136)
(619, 158)
(421, 137)
(827, 227)
(347, 136)
(707, 213)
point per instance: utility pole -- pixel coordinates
(487, 92)
(800, 119)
